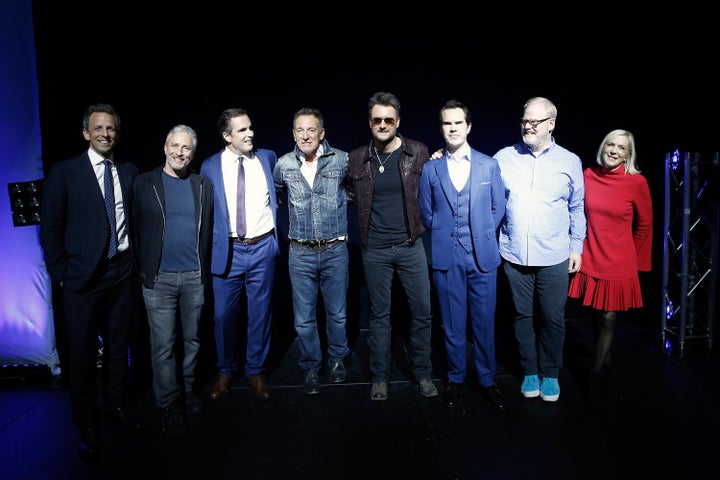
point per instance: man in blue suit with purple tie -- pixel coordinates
(244, 250)
(462, 201)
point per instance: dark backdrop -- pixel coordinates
(604, 66)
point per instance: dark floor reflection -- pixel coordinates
(654, 415)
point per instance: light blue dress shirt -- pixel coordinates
(545, 205)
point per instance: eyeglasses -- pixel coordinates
(389, 121)
(533, 123)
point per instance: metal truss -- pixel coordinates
(690, 251)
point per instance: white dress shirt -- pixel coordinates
(459, 166)
(97, 163)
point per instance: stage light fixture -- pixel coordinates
(25, 198)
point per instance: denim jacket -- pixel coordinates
(320, 212)
(362, 173)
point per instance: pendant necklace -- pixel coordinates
(382, 163)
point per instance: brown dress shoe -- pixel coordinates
(221, 387)
(259, 386)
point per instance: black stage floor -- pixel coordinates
(661, 422)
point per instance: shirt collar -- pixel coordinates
(96, 158)
(229, 156)
(461, 153)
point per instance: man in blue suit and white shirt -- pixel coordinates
(462, 201)
(243, 256)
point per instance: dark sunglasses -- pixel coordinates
(389, 121)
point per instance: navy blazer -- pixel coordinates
(74, 229)
(487, 194)
(212, 169)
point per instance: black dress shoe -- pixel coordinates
(121, 417)
(453, 392)
(193, 405)
(494, 395)
(89, 443)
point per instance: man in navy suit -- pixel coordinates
(99, 293)
(462, 201)
(244, 252)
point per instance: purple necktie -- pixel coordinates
(240, 218)
(110, 208)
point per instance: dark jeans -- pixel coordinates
(410, 263)
(543, 290)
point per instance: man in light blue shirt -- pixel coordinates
(541, 242)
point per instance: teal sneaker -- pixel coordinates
(549, 389)
(530, 387)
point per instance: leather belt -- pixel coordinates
(317, 244)
(253, 240)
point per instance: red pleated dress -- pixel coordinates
(618, 243)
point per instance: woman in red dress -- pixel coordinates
(618, 244)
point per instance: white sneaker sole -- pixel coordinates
(550, 398)
(530, 394)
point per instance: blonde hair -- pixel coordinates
(631, 167)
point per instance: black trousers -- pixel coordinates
(100, 314)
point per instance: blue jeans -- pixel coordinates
(173, 292)
(410, 263)
(543, 290)
(326, 271)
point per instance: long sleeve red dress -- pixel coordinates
(618, 243)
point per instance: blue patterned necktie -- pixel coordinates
(110, 208)
(240, 218)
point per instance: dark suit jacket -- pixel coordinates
(74, 230)
(487, 208)
(212, 169)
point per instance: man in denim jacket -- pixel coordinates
(313, 175)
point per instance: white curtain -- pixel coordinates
(27, 334)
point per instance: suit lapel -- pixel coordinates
(215, 174)
(443, 173)
(265, 167)
(87, 180)
(475, 175)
